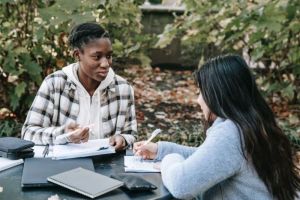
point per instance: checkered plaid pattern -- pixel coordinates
(57, 104)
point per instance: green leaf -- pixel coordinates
(296, 69)
(69, 5)
(32, 68)
(81, 18)
(5, 1)
(256, 36)
(14, 101)
(20, 89)
(40, 33)
(258, 53)
(289, 91)
(9, 62)
(117, 46)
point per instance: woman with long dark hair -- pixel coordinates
(245, 154)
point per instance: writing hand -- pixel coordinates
(146, 151)
(118, 142)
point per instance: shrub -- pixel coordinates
(33, 43)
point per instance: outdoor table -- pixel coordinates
(10, 181)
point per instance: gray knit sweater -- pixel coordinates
(214, 170)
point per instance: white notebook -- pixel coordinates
(85, 182)
(7, 163)
(71, 150)
(136, 164)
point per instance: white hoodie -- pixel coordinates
(89, 106)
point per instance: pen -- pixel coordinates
(46, 150)
(153, 135)
(102, 148)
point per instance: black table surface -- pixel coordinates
(10, 181)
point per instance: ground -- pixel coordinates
(166, 99)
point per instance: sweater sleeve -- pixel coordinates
(38, 127)
(217, 159)
(165, 148)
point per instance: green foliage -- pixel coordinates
(291, 129)
(10, 128)
(33, 42)
(268, 31)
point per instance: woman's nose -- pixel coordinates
(104, 62)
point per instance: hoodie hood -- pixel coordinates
(71, 72)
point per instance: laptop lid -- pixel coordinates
(37, 170)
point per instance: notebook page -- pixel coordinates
(38, 152)
(136, 164)
(90, 148)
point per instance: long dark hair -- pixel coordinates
(229, 90)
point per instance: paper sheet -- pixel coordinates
(136, 164)
(70, 150)
(6, 163)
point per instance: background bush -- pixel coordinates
(33, 44)
(266, 33)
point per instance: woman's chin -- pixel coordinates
(101, 76)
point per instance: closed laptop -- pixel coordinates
(36, 170)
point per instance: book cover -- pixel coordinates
(85, 182)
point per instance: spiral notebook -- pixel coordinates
(85, 182)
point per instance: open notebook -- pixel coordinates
(71, 150)
(137, 164)
(85, 182)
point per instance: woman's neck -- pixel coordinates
(89, 84)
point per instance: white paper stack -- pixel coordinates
(7, 163)
(71, 150)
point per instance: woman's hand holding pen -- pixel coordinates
(145, 150)
(77, 134)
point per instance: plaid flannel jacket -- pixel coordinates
(56, 105)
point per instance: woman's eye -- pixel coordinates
(108, 56)
(96, 57)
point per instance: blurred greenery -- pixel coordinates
(267, 33)
(33, 44)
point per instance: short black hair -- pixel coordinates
(82, 34)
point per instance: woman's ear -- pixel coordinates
(76, 54)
